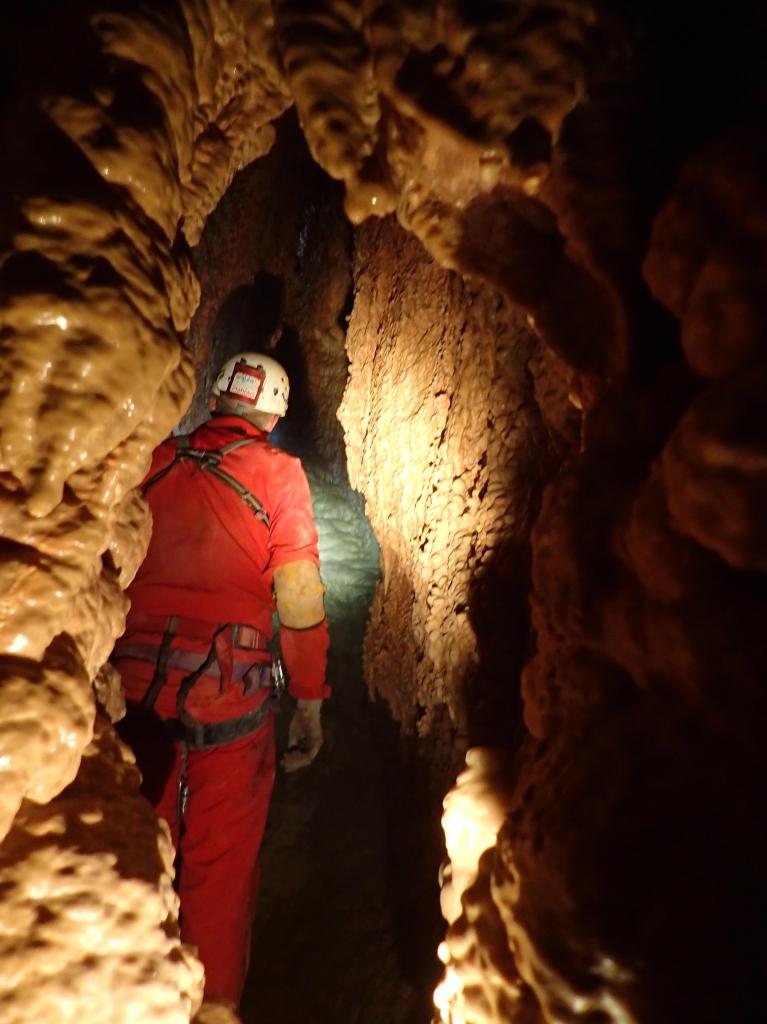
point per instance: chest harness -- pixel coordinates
(209, 460)
(194, 734)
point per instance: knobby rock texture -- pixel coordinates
(601, 186)
(447, 443)
(122, 131)
(629, 230)
(274, 264)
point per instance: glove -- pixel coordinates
(304, 735)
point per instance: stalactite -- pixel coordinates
(329, 69)
(641, 617)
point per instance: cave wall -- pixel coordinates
(446, 441)
(627, 224)
(274, 265)
(552, 150)
(122, 127)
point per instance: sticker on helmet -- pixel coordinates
(246, 383)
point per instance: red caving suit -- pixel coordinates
(211, 561)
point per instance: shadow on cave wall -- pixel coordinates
(298, 430)
(498, 602)
(249, 317)
(274, 263)
(499, 590)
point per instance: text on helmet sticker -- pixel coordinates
(246, 383)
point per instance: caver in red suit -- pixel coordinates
(233, 539)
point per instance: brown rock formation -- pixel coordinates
(445, 441)
(88, 909)
(274, 265)
(103, 161)
(512, 140)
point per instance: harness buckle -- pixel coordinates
(279, 678)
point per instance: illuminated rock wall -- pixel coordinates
(523, 145)
(638, 780)
(105, 155)
(274, 264)
(446, 443)
(88, 901)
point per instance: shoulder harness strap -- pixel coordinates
(209, 460)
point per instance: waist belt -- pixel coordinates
(217, 662)
(190, 661)
(247, 637)
(201, 735)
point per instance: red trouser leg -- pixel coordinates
(229, 792)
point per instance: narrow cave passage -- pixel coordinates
(348, 921)
(539, 356)
(337, 935)
(350, 860)
(326, 945)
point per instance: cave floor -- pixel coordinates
(347, 914)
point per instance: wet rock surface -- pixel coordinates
(602, 183)
(107, 153)
(89, 913)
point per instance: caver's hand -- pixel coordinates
(304, 735)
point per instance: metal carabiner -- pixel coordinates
(279, 678)
(183, 784)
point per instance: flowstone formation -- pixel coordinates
(88, 908)
(637, 781)
(612, 227)
(107, 159)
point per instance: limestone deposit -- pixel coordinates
(553, 409)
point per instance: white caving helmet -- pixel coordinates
(254, 382)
